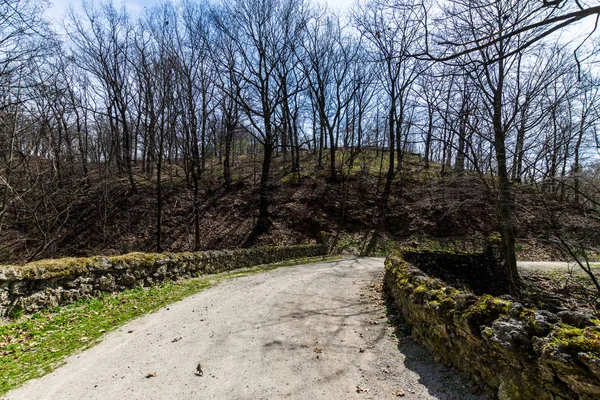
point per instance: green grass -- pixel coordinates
(34, 345)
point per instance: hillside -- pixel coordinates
(426, 208)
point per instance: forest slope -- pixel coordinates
(426, 208)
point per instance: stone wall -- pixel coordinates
(479, 272)
(49, 283)
(513, 352)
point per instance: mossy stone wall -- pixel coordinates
(49, 283)
(514, 352)
(480, 272)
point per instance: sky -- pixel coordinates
(58, 8)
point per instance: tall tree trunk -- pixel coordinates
(518, 157)
(505, 196)
(226, 163)
(159, 204)
(262, 224)
(332, 148)
(428, 138)
(392, 151)
(577, 166)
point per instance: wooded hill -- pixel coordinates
(215, 124)
(427, 208)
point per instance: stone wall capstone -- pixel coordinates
(48, 283)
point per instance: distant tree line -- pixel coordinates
(471, 85)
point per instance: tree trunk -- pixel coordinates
(392, 151)
(227, 163)
(159, 204)
(332, 148)
(262, 224)
(428, 138)
(505, 199)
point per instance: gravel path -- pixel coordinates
(527, 266)
(315, 331)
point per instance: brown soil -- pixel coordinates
(105, 216)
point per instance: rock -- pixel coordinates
(464, 300)
(549, 316)
(106, 283)
(510, 334)
(128, 279)
(593, 363)
(576, 319)
(544, 321)
(515, 310)
(507, 297)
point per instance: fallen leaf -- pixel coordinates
(130, 331)
(317, 350)
(360, 389)
(176, 339)
(150, 375)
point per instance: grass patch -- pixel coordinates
(34, 345)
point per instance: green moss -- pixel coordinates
(420, 290)
(52, 268)
(436, 294)
(56, 268)
(433, 304)
(448, 304)
(451, 291)
(484, 311)
(487, 331)
(137, 258)
(575, 340)
(527, 314)
(494, 239)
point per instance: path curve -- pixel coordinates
(312, 331)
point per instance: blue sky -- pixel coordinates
(58, 8)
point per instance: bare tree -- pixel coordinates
(393, 34)
(102, 45)
(329, 58)
(261, 33)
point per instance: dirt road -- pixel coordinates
(314, 331)
(527, 266)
